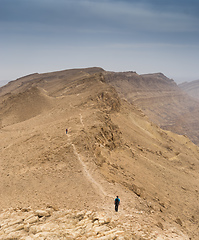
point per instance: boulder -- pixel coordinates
(42, 213)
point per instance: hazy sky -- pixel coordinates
(145, 36)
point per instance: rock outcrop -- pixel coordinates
(48, 224)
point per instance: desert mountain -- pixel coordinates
(192, 88)
(161, 100)
(111, 148)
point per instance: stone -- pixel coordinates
(14, 228)
(27, 227)
(33, 229)
(12, 236)
(42, 213)
(12, 222)
(26, 209)
(160, 225)
(178, 221)
(32, 219)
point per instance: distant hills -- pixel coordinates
(161, 100)
(192, 88)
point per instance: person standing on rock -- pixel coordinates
(117, 203)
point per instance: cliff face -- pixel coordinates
(111, 148)
(161, 100)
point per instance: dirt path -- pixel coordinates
(87, 174)
(87, 171)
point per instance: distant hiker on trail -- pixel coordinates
(117, 203)
(66, 130)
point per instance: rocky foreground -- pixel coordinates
(28, 224)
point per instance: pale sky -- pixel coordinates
(145, 36)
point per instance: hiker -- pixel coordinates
(66, 130)
(117, 203)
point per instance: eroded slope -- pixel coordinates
(111, 148)
(160, 99)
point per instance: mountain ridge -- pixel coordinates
(161, 100)
(111, 148)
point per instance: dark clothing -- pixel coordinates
(117, 203)
(116, 207)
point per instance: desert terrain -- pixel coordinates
(115, 145)
(161, 99)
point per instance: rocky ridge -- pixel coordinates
(112, 148)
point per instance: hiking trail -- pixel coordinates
(86, 171)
